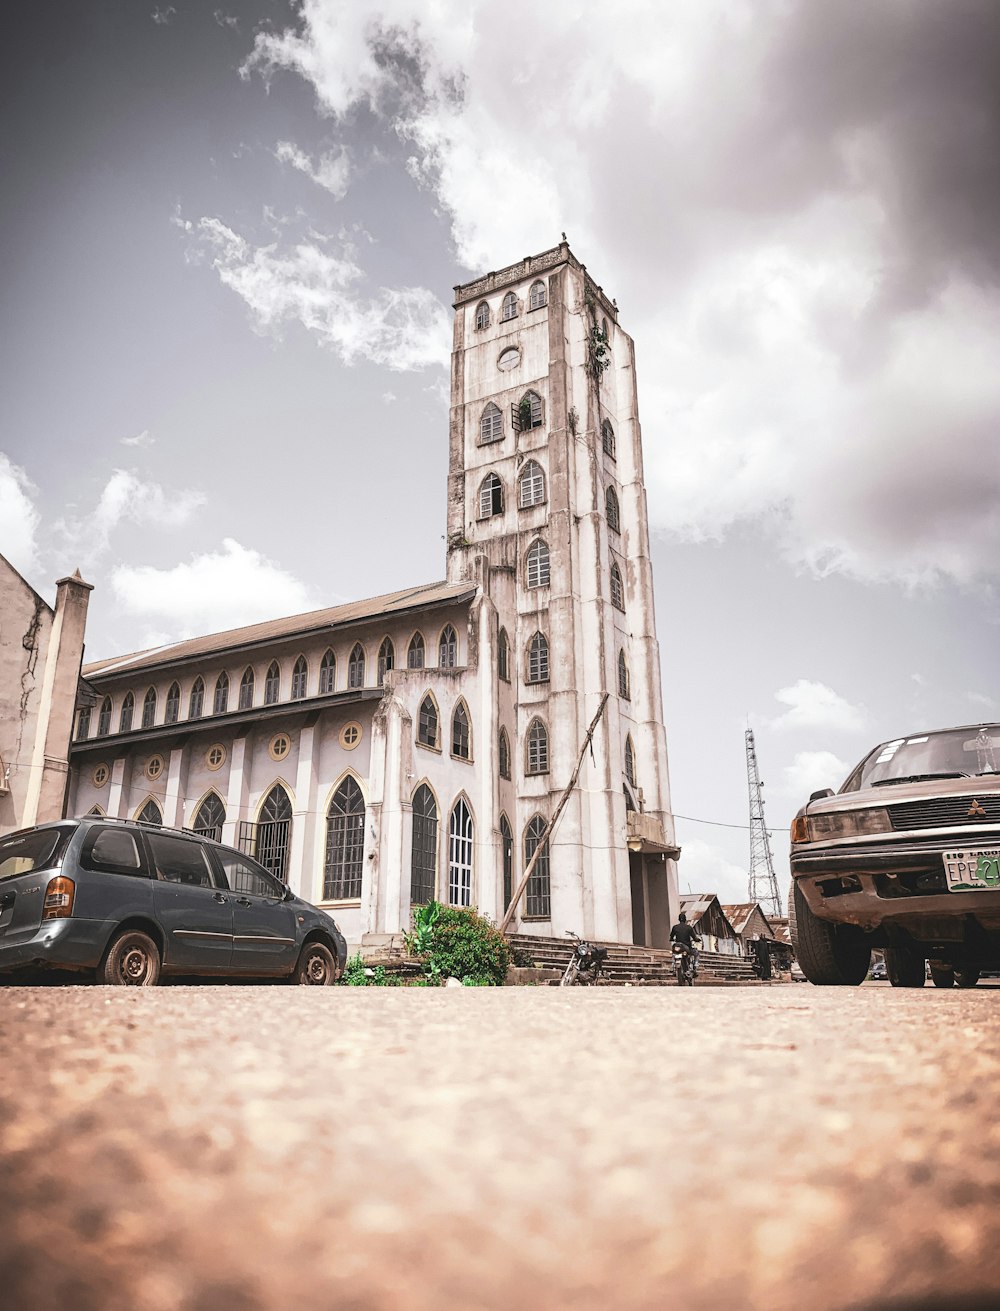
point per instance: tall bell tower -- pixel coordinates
(547, 509)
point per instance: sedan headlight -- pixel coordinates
(842, 824)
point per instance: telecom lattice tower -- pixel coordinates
(763, 880)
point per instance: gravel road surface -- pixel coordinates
(261, 1148)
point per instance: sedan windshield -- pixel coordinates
(22, 853)
(955, 753)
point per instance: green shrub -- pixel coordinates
(359, 975)
(459, 943)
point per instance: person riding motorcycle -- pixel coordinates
(688, 936)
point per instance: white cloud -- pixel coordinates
(211, 592)
(143, 438)
(810, 771)
(981, 699)
(18, 518)
(816, 706)
(164, 15)
(126, 498)
(226, 20)
(703, 869)
(331, 172)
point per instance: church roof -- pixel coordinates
(354, 612)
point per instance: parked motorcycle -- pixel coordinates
(683, 964)
(586, 965)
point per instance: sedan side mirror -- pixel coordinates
(822, 794)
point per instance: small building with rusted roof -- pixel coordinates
(705, 912)
(749, 923)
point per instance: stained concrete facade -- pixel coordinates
(565, 430)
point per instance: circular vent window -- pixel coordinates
(154, 766)
(509, 359)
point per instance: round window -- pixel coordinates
(350, 736)
(509, 359)
(215, 757)
(100, 775)
(280, 746)
(154, 766)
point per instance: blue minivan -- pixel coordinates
(132, 902)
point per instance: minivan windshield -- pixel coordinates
(40, 848)
(954, 753)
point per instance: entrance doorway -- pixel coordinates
(650, 903)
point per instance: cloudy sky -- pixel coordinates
(229, 238)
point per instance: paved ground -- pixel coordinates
(215, 1148)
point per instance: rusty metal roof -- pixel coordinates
(740, 915)
(391, 603)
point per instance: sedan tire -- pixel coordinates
(831, 955)
(905, 967)
(132, 961)
(316, 966)
(966, 978)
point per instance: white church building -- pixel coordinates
(377, 754)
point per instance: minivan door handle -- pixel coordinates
(221, 897)
(243, 901)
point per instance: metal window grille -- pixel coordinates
(427, 726)
(246, 689)
(531, 487)
(356, 667)
(623, 680)
(272, 684)
(629, 761)
(173, 706)
(221, 702)
(608, 438)
(617, 590)
(345, 843)
(448, 648)
(150, 813)
(503, 754)
(538, 901)
(537, 761)
(327, 673)
(460, 856)
(482, 316)
(537, 569)
(128, 709)
(104, 718)
(508, 307)
(196, 704)
(300, 679)
(274, 832)
(614, 516)
(423, 848)
(83, 723)
(503, 656)
(386, 659)
(415, 652)
(538, 659)
(149, 708)
(507, 849)
(490, 497)
(210, 818)
(537, 297)
(461, 737)
(490, 425)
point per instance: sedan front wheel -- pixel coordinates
(830, 954)
(905, 966)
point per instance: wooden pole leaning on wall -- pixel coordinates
(519, 890)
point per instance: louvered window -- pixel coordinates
(617, 590)
(614, 516)
(629, 760)
(608, 438)
(415, 652)
(149, 708)
(623, 678)
(427, 724)
(272, 684)
(246, 689)
(356, 667)
(327, 673)
(537, 565)
(531, 485)
(386, 659)
(490, 425)
(461, 734)
(104, 718)
(503, 754)
(83, 724)
(221, 702)
(448, 648)
(196, 704)
(508, 307)
(128, 710)
(300, 679)
(538, 659)
(537, 297)
(490, 497)
(503, 656)
(173, 707)
(482, 316)
(536, 760)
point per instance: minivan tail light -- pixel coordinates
(59, 897)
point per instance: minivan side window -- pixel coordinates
(178, 861)
(243, 876)
(112, 851)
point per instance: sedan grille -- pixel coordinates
(945, 812)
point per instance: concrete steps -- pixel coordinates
(648, 966)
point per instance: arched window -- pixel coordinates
(210, 817)
(345, 843)
(482, 316)
(536, 564)
(272, 683)
(327, 673)
(537, 297)
(83, 724)
(196, 703)
(623, 678)
(220, 703)
(461, 733)
(460, 833)
(529, 412)
(536, 750)
(448, 648)
(617, 590)
(608, 438)
(490, 425)
(246, 689)
(424, 847)
(538, 902)
(427, 723)
(531, 485)
(150, 813)
(614, 515)
(490, 496)
(173, 707)
(629, 759)
(503, 655)
(104, 718)
(503, 754)
(415, 652)
(507, 854)
(508, 307)
(128, 710)
(274, 831)
(356, 667)
(537, 670)
(149, 708)
(386, 659)
(300, 678)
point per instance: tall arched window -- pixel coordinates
(300, 679)
(529, 411)
(104, 718)
(415, 652)
(173, 707)
(490, 425)
(508, 307)
(448, 648)
(246, 689)
(538, 660)
(274, 832)
(536, 749)
(537, 297)
(210, 817)
(623, 678)
(128, 710)
(614, 515)
(386, 659)
(503, 754)
(345, 843)
(83, 724)
(424, 847)
(538, 902)
(629, 759)
(460, 834)
(149, 708)
(617, 590)
(196, 702)
(220, 703)
(461, 733)
(503, 655)
(150, 813)
(536, 565)
(531, 485)
(356, 667)
(507, 854)
(608, 438)
(482, 316)
(272, 683)
(427, 723)
(327, 673)
(490, 496)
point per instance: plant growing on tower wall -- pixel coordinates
(524, 413)
(598, 354)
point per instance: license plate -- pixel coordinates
(973, 871)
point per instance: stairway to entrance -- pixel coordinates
(649, 966)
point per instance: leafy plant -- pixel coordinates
(359, 975)
(524, 413)
(459, 943)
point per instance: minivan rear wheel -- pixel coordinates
(905, 966)
(829, 954)
(133, 961)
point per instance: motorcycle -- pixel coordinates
(586, 964)
(683, 964)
